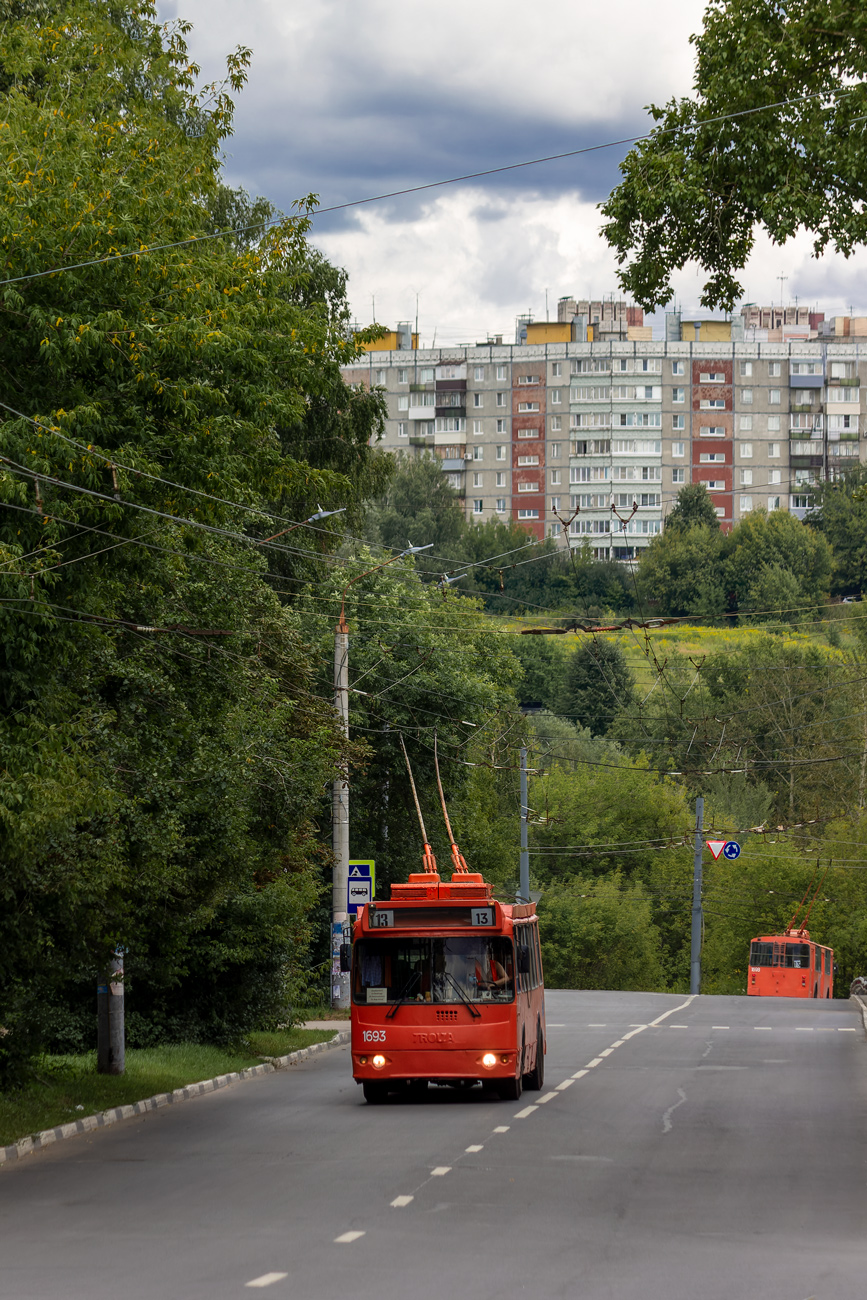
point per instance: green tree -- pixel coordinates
(839, 513)
(599, 934)
(693, 507)
(681, 572)
(597, 685)
(775, 137)
(772, 557)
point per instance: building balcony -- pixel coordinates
(806, 410)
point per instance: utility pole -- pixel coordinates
(340, 823)
(524, 882)
(695, 944)
(110, 1040)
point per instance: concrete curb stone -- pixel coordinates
(37, 1141)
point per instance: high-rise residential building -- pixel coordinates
(595, 439)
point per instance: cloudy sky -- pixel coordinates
(349, 100)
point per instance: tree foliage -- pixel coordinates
(775, 137)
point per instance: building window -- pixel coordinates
(528, 433)
(528, 514)
(528, 460)
(555, 396)
(501, 399)
(477, 427)
(678, 449)
(403, 376)
(773, 424)
(401, 429)
(556, 423)
(529, 487)
(379, 377)
(555, 504)
(715, 403)
(746, 478)
(774, 396)
(712, 377)
(715, 485)
(712, 431)
(501, 505)
(501, 426)
(501, 372)
(773, 503)
(775, 476)
(426, 375)
(477, 480)
(479, 372)
(746, 369)
(556, 477)
(477, 506)
(746, 450)
(677, 368)
(527, 407)
(557, 369)
(773, 449)
(746, 422)
(555, 450)
(501, 479)
(403, 402)
(478, 453)
(775, 369)
(747, 396)
(478, 399)
(678, 395)
(746, 505)
(712, 458)
(677, 476)
(501, 453)
(678, 422)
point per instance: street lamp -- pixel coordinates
(320, 514)
(340, 792)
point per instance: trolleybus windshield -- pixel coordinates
(433, 968)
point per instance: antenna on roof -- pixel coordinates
(430, 862)
(457, 858)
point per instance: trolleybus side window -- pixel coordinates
(538, 952)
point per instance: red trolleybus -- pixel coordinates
(790, 965)
(446, 984)
(447, 988)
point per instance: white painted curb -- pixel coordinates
(861, 1002)
(37, 1141)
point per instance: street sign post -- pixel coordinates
(360, 885)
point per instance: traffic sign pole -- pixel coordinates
(695, 942)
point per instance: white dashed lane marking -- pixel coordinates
(567, 1083)
(346, 1237)
(267, 1279)
(471, 1150)
(400, 1201)
(502, 1128)
(549, 1096)
(579, 1074)
(440, 1171)
(591, 1065)
(528, 1110)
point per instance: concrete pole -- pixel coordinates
(110, 1039)
(524, 882)
(695, 945)
(340, 825)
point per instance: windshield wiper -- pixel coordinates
(462, 995)
(404, 995)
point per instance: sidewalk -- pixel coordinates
(325, 1024)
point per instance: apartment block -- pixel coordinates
(593, 440)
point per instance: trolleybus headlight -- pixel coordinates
(489, 1060)
(378, 1062)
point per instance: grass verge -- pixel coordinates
(68, 1087)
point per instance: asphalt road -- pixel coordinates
(711, 1149)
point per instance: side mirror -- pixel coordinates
(345, 958)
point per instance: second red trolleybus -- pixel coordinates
(446, 986)
(791, 964)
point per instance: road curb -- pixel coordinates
(862, 1006)
(38, 1141)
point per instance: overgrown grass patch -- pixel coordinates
(68, 1087)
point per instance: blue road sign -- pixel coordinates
(360, 886)
(732, 851)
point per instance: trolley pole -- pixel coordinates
(524, 881)
(695, 945)
(340, 824)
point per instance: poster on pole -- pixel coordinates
(361, 884)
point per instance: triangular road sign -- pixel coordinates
(353, 871)
(716, 847)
